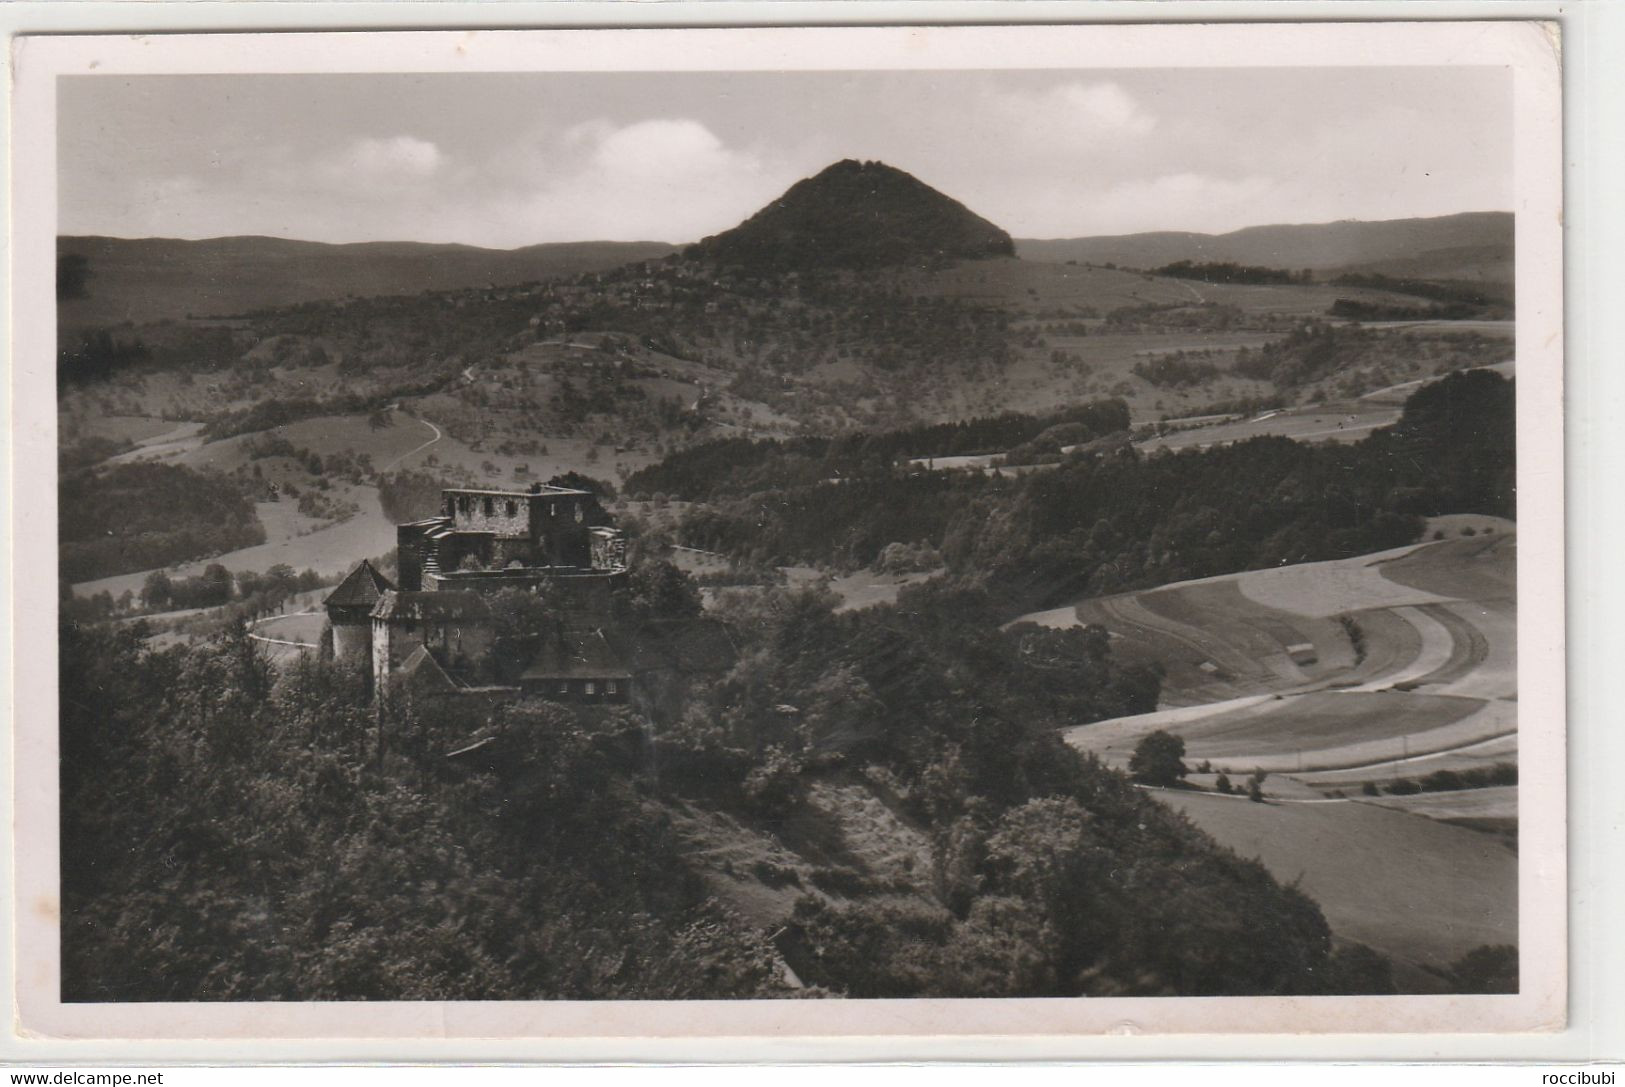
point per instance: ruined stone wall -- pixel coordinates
(504, 515)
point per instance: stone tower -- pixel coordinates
(349, 610)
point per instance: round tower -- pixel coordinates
(349, 611)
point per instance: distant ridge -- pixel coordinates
(143, 279)
(857, 215)
(1471, 245)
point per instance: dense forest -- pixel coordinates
(1109, 521)
(141, 515)
(744, 465)
(231, 832)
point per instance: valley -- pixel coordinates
(969, 518)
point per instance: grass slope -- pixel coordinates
(1410, 887)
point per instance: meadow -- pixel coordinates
(1415, 889)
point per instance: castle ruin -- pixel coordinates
(436, 628)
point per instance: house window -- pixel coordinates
(609, 687)
(552, 509)
(490, 505)
(564, 686)
(592, 688)
(513, 508)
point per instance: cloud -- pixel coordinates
(398, 156)
(1068, 116)
(364, 164)
(669, 179)
(1104, 106)
(1184, 200)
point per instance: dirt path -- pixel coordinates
(410, 452)
(266, 620)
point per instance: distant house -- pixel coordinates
(579, 666)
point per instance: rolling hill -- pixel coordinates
(1472, 245)
(148, 279)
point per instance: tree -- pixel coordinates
(1158, 759)
(157, 590)
(659, 590)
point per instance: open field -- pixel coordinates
(1343, 421)
(330, 550)
(284, 637)
(167, 442)
(1470, 756)
(1262, 672)
(1495, 802)
(1413, 888)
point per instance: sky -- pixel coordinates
(505, 160)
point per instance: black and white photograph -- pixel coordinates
(979, 519)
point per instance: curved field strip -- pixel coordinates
(1056, 618)
(1469, 756)
(1495, 802)
(1337, 737)
(1407, 886)
(1436, 649)
(1327, 589)
(1141, 635)
(1469, 646)
(1496, 674)
(1318, 723)
(1476, 568)
(1489, 721)
(1220, 610)
(1390, 644)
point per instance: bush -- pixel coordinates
(774, 788)
(1404, 787)
(1370, 789)
(846, 882)
(1223, 784)
(775, 875)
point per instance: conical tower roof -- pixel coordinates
(361, 588)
